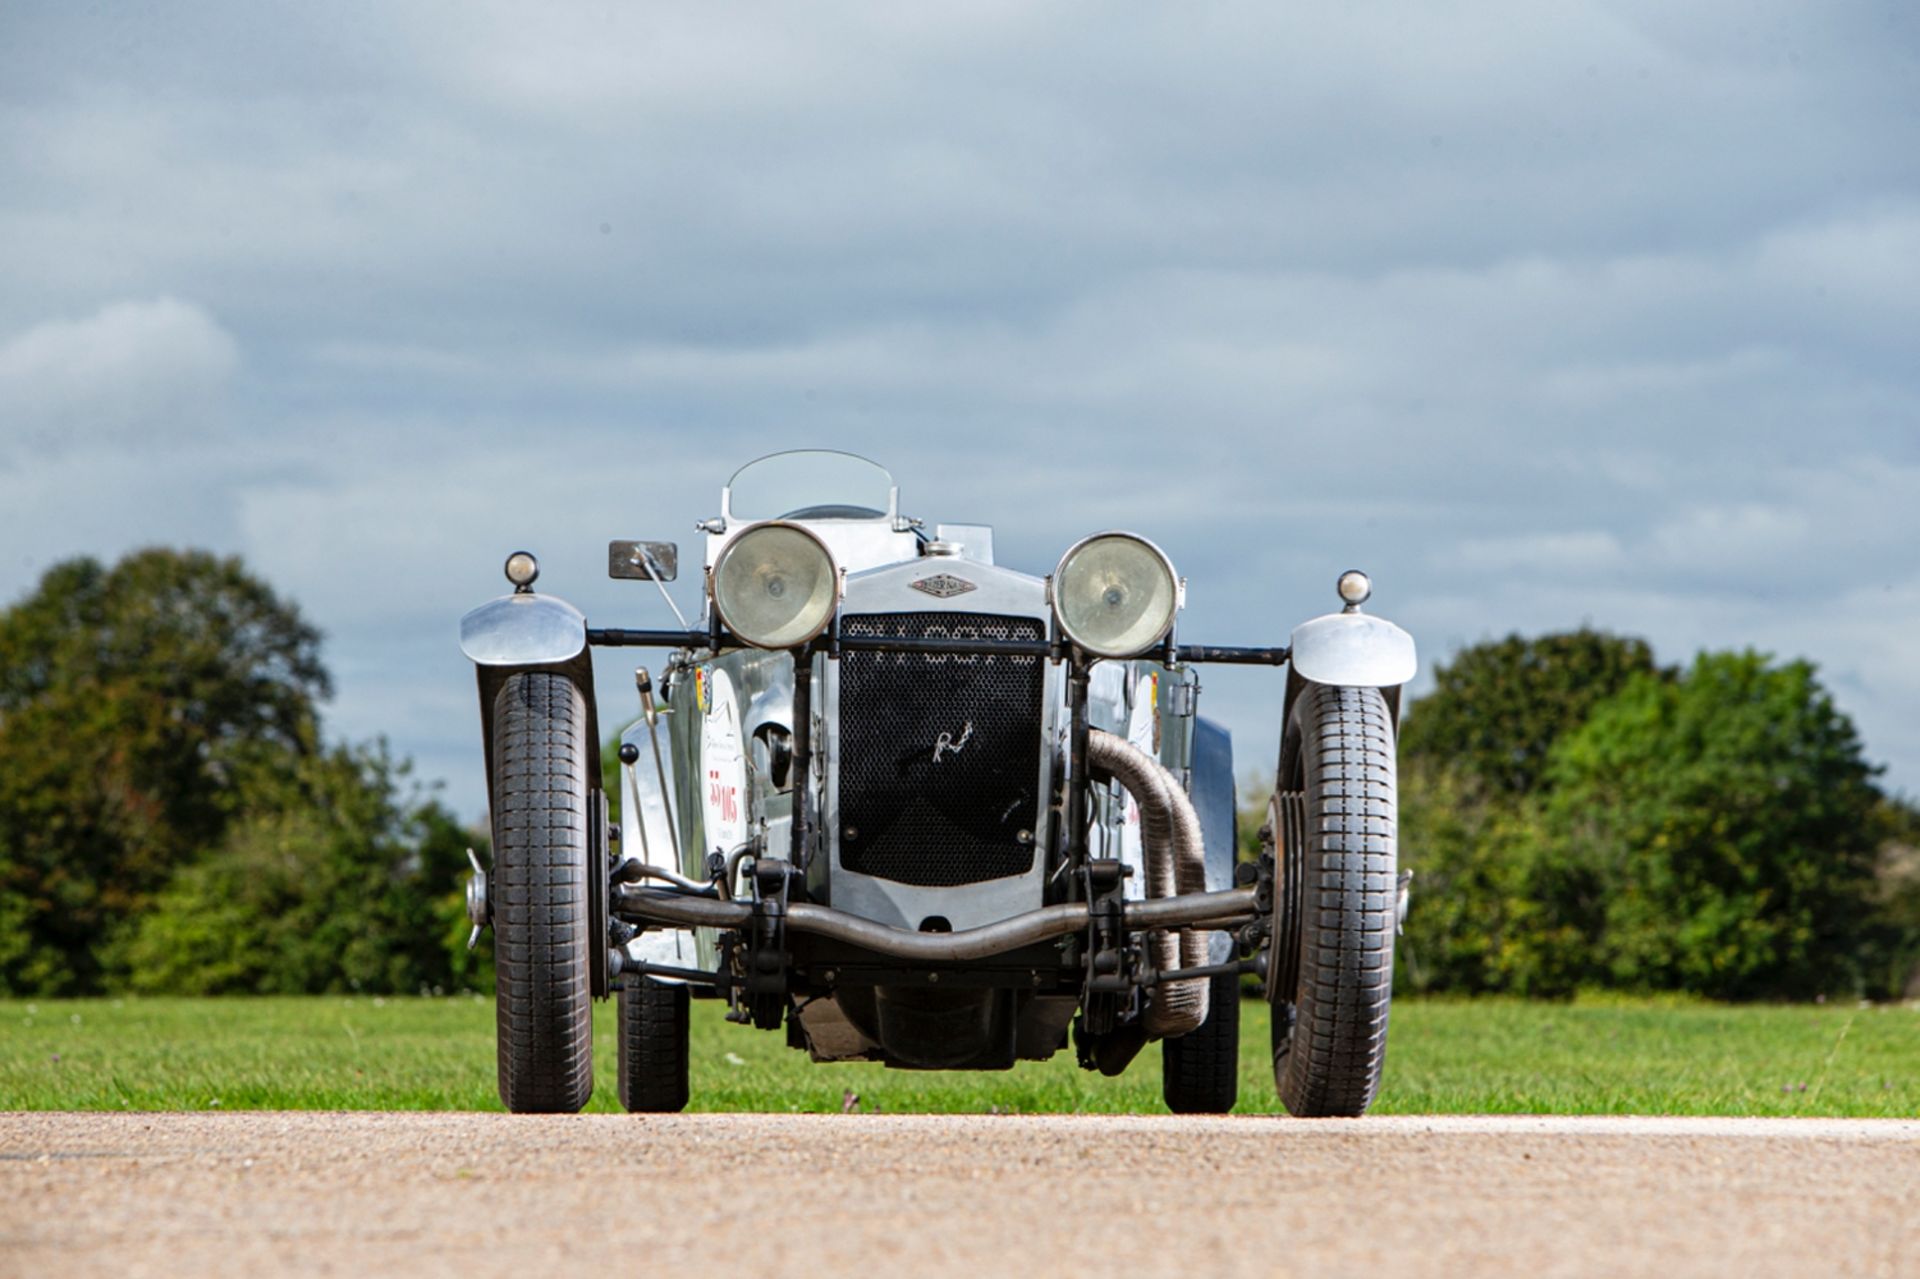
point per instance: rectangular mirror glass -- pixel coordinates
(632, 560)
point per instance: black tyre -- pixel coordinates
(1338, 851)
(653, 1046)
(1200, 1070)
(541, 917)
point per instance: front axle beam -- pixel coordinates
(646, 905)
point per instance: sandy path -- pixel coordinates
(483, 1195)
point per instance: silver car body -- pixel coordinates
(717, 796)
(701, 783)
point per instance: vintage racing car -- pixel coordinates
(911, 806)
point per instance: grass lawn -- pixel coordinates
(1587, 1057)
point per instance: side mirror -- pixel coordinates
(643, 561)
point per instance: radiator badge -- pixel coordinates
(946, 745)
(943, 586)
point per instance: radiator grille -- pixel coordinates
(939, 755)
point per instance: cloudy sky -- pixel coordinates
(1543, 314)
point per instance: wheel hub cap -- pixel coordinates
(479, 908)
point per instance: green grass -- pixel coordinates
(1587, 1057)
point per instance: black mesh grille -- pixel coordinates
(939, 756)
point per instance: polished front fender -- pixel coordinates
(1355, 650)
(523, 630)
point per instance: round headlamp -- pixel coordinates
(1355, 587)
(1115, 594)
(776, 585)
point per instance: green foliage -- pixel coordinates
(1714, 832)
(1486, 892)
(168, 818)
(337, 882)
(1725, 823)
(1251, 798)
(1894, 963)
(1490, 898)
(610, 776)
(137, 704)
(1497, 708)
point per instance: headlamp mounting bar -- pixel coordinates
(617, 637)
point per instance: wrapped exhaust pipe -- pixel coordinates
(1176, 865)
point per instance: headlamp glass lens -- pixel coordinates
(1115, 595)
(775, 586)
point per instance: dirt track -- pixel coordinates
(481, 1195)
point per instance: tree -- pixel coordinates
(338, 881)
(138, 706)
(1498, 707)
(1729, 823)
(1490, 900)
(1894, 960)
(1493, 908)
(1578, 816)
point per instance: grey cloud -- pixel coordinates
(131, 373)
(1598, 313)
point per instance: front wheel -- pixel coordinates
(541, 916)
(1331, 978)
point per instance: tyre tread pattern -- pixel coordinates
(654, 1029)
(1330, 1064)
(539, 886)
(1200, 1070)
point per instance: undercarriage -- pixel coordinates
(850, 989)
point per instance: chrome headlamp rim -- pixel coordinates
(836, 590)
(1054, 584)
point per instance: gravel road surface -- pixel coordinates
(857, 1195)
